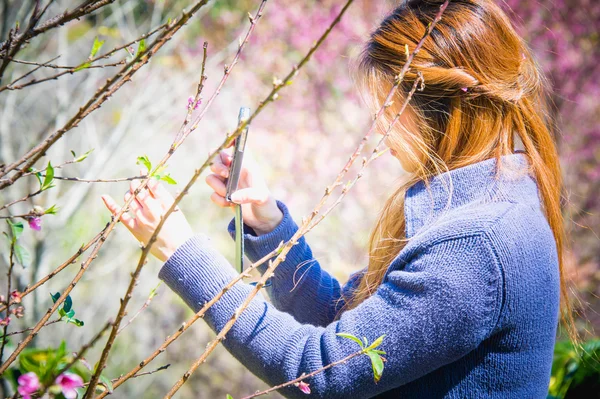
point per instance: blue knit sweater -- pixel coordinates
(469, 306)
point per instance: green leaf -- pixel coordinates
(68, 304)
(378, 351)
(39, 177)
(77, 322)
(143, 160)
(141, 47)
(82, 66)
(154, 290)
(107, 382)
(96, 47)
(16, 228)
(168, 179)
(51, 211)
(55, 297)
(23, 255)
(70, 314)
(82, 157)
(229, 396)
(365, 340)
(49, 177)
(352, 337)
(377, 364)
(376, 343)
(73, 152)
(62, 313)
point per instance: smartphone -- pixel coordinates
(238, 154)
(232, 186)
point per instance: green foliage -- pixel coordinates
(574, 374)
(51, 211)
(371, 351)
(21, 253)
(81, 157)
(49, 177)
(156, 174)
(95, 48)
(46, 364)
(141, 47)
(66, 310)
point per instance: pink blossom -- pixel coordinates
(191, 102)
(15, 296)
(35, 223)
(5, 321)
(18, 311)
(28, 383)
(303, 386)
(465, 89)
(68, 382)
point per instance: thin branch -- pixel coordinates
(29, 73)
(25, 198)
(11, 86)
(31, 328)
(144, 306)
(304, 376)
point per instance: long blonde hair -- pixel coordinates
(482, 84)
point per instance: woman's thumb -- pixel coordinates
(248, 195)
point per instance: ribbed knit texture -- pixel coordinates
(469, 306)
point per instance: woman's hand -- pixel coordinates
(259, 208)
(148, 207)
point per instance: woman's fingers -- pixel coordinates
(256, 195)
(217, 184)
(221, 201)
(112, 206)
(162, 195)
(226, 158)
(152, 207)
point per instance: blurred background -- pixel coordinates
(302, 141)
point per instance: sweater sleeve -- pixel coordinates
(300, 286)
(435, 305)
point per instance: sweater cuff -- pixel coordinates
(197, 272)
(255, 246)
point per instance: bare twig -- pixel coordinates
(144, 306)
(72, 70)
(31, 328)
(302, 377)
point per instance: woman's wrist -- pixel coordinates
(270, 216)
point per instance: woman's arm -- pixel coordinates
(435, 305)
(299, 286)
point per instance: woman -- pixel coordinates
(465, 269)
